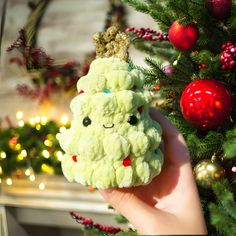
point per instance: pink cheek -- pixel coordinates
(74, 158)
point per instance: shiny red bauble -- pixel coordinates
(220, 9)
(206, 103)
(183, 37)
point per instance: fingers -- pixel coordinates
(135, 210)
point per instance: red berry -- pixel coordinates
(74, 158)
(127, 161)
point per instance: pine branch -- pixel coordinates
(230, 144)
(225, 197)
(224, 224)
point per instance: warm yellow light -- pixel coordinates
(32, 177)
(47, 169)
(64, 120)
(50, 136)
(9, 181)
(20, 157)
(24, 153)
(59, 155)
(19, 115)
(44, 120)
(46, 153)
(48, 143)
(18, 146)
(37, 119)
(62, 129)
(0, 180)
(21, 123)
(27, 172)
(32, 121)
(3, 155)
(1, 171)
(42, 186)
(58, 135)
(38, 126)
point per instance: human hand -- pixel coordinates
(170, 203)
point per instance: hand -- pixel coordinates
(170, 203)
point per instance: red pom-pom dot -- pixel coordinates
(74, 158)
(140, 109)
(127, 161)
(81, 91)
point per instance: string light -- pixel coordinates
(45, 153)
(234, 169)
(48, 143)
(19, 115)
(21, 123)
(1, 171)
(24, 153)
(18, 146)
(32, 121)
(50, 136)
(20, 157)
(62, 129)
(47, 169)
(37, 119)
(64, 120)
(32, 177)
(27, 172)
(3, 155)
(59, 155)
(58, 135)
(9, 181)
(43, 120)
(42, 186)
(38, 127)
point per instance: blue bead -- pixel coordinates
(107, 91)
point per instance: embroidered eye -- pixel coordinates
(133, 120)
(87, 121)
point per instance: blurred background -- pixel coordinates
(45, 47)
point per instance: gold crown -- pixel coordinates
(111, 43)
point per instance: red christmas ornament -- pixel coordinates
(206, 103)
(220, 9)
(183, 37)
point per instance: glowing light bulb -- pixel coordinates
(48, 143)
(58, 135)
(32, 121)
(21, 123)
(47, 169)
(3, 155)
(32, 177)
(19, 115)
(62, 129)
(27, 172)
(1, 171)
(20, 157)
(24, 153)
(64, 120)
(38, 126)
(37, 119)
(18, 146)
(44, 120)
(59, 155)
(42, 186)
(9, 181)
(46, 153)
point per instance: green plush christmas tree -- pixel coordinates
(112, 141)
(198, 86)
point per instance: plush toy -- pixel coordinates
(112, 141)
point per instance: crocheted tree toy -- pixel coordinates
(112, 141)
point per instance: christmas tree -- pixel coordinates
(198, 86)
